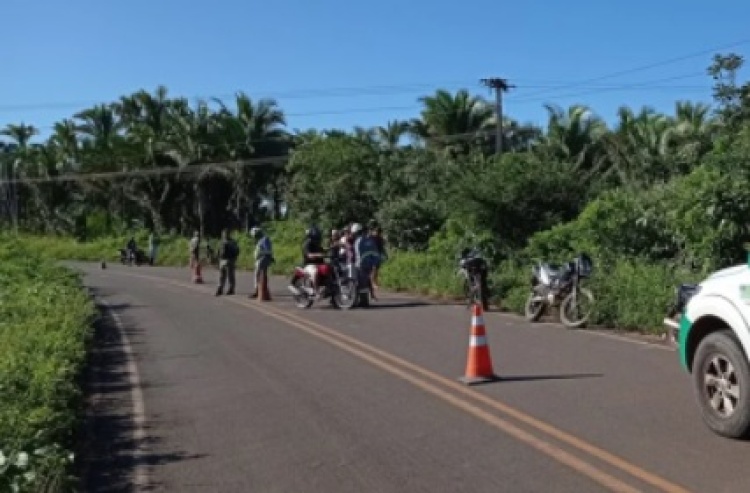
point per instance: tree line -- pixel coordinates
(413, 176)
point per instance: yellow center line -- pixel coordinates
(379, 357)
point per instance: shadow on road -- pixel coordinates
(531, 378)
(108, 447)
(398, 304)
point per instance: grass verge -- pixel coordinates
(45, 327)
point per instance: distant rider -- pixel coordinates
(131, 248)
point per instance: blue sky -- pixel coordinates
(60, 57)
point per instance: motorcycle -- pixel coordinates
(683, 294)
(334, 282)
(472, 267)
(559, 285)
(129, 258)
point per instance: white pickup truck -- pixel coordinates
(709, 323)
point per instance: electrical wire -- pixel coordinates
(642, 68)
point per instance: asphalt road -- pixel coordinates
(197, 393)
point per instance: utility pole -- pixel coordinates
(499, 86)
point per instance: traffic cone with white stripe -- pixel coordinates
(479, 364)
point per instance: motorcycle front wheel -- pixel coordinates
(575, 314)
(534, 308)
(346, 294)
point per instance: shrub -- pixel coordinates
(42, 350)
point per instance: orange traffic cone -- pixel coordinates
(197, 277)
(479, 364)
(263, 292)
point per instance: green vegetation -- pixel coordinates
(42, 351)
(655, 199)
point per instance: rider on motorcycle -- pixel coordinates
(313, 254)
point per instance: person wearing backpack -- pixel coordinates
(228, 252)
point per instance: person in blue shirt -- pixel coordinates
(263, 256)
(366, 254)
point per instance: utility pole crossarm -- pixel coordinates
(500, 86)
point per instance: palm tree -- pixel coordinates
(20, 134)
(574, 135)
(390, 135)
(254, 130)
(100, 127)
(638, 150)
(192, 142)
(693, 130)
(447, 118)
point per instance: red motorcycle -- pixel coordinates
(333, 283)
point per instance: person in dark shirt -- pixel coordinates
(313, 254)
(228, 253)
(131, 248)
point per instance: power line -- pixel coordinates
(649, 85)
(404, 88)
(413, 107)
(651, 65)
(279, 161)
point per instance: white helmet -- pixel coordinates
(356, 228)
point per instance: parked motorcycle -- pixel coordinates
(334, 281)
(473, 268)
(683, 293)
(559, 285)
(129, 258)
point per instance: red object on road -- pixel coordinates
(197, 277)
(264, 294)
(479, 363)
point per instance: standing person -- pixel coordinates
(195, 257)
(153, 246)
(365, 254)
(263, 257)
(195, 249)
(377, 236)
(228, 252)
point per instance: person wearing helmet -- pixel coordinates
(313, 254)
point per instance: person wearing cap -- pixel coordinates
(263, 256)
